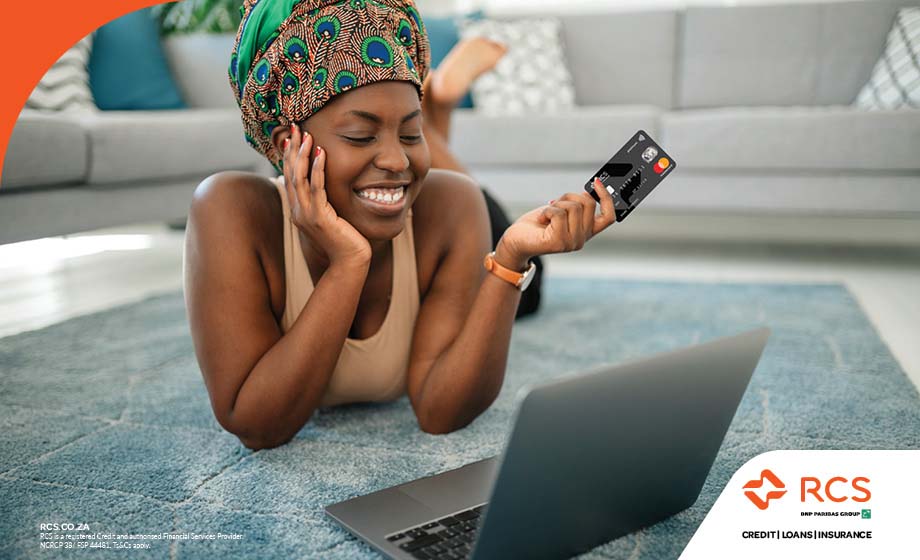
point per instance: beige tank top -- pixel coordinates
(369, 369)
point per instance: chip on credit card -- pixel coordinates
(631, 174)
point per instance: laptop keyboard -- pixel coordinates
(448, 538)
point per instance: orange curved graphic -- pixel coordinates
(33, 36)
(764, 503)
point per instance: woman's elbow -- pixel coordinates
(435, 425)
(432, 429)
(263, 442)
(254, 437)
(436, 421)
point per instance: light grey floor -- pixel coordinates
(55, 279)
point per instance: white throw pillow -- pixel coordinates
(65, 86)
(895, 81)
(532, 77)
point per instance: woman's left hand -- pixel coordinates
(564, 225)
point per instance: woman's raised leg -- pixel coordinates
(446, 85)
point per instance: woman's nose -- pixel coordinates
(392, 157)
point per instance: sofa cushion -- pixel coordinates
(853, 35)
(199, 64)
(45, 149)
(748, 55)
(532, 77)
(65, 86)
(622, 56)
(588, 135)
(895, 80)
(791, 192)
(138, 145)
(780, 54)
(793, 138)
(127, 67)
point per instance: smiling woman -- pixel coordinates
(357, 274)
(377, 152)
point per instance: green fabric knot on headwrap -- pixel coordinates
(291, 57)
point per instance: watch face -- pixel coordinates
(528, 276)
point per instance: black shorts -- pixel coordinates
(498, 219)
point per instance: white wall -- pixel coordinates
(437, 7)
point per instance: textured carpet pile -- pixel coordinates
(104, 419)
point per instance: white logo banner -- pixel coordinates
(816, 504)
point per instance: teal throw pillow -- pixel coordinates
(127, 67)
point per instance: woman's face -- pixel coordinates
(372, 135)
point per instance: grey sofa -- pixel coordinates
(65, 173)
(752, 102)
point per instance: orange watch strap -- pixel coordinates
(502, 272)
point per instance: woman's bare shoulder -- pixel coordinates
(244, 205)
(246, 198)
(236, 217)
(443, 198)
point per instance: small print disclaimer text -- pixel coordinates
(82, 535)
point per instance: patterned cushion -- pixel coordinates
(65, 86)
(895, 81)
(532, 77)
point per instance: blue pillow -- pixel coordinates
(127, 67)
(443, 34)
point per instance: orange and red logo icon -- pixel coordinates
(778, 492)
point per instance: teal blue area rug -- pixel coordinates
(104, 419)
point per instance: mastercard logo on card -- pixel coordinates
(661, 165)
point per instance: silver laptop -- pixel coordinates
(590, 458)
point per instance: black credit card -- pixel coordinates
(632, 173)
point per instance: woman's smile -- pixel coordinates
(385, 201)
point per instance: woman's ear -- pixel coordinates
(279, 135)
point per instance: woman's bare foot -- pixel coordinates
(466, 61)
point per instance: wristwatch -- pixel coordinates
(519, 279)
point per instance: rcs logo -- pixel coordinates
(810, 486)
(764, 503)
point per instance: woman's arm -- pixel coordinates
(462, 334)
(264, 385)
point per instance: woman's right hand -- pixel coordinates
(310, 211)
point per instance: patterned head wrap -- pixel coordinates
(291, 57)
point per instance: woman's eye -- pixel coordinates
(368, 139)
